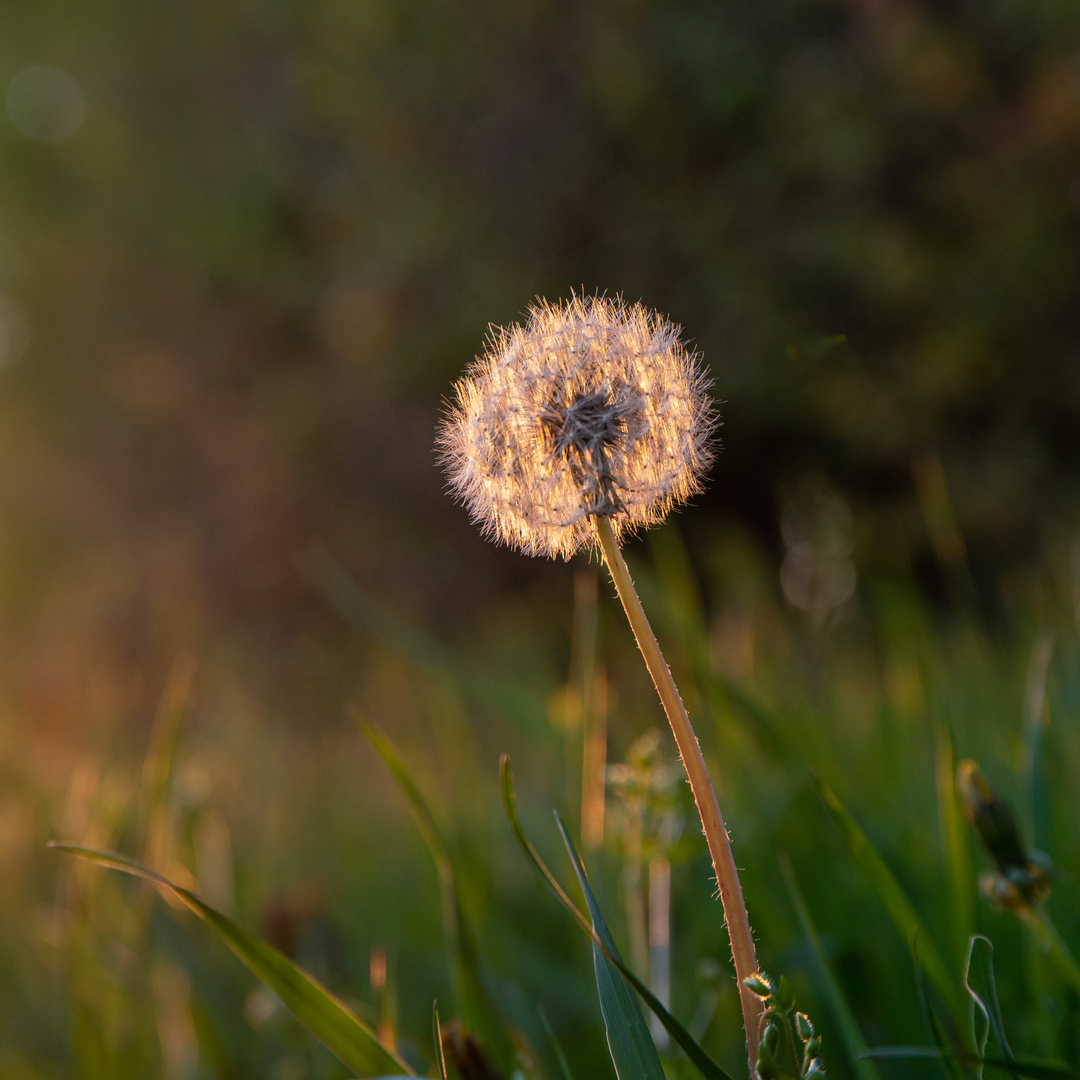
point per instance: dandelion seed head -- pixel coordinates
(593, 407)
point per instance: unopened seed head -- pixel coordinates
(593, 407)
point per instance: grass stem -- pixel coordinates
(727, 874)
(1053, 943)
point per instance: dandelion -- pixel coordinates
(592, 408)
(586, 423)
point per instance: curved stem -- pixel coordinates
(727, 874)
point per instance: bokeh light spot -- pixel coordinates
(45, 104)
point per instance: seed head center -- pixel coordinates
(584, 431)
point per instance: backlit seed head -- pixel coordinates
(593, 407)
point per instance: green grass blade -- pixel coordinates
(892, 896)
(560, 1057)
(425, 820)
(346, 1036)
(436, 1031)
(1036, 726)
(982, 987)
(472, 999)
(956, 836)
(704, 1064)
(1046, 933)
(1034, 1070)
(632, 1050)
(164, 739)
(947, 1053)
(679, 598)
(853, 1039)
(367, 617)
(762, 723)
(510, 804)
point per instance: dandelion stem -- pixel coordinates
(727, 874)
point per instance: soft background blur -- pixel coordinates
(246, 247)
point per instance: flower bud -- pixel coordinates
(759, 984)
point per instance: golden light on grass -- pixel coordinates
(588, 422)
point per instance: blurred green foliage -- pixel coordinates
(306, 838)
(232, 296)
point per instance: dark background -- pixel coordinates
(251, 274)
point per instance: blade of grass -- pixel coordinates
(367, 617)
(956, 837)
(892, 896)
(854, 1042)
(979, 970)
(632, 1049)
(678, 594)
(324, 1015)
(705, 1064)
(766, 727)
(436, 1031)
(425, 820)
(1046, 933)
(472, 998)
(1035, 1070)
(949, 1064)
(165, 736)
(1036, 726)
(560, 1057)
